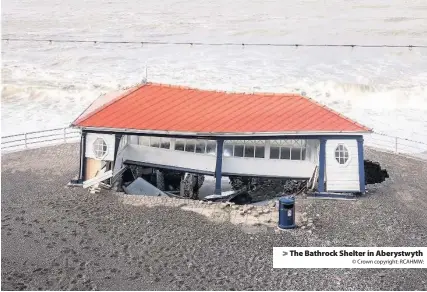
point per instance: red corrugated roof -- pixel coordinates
(158, 107)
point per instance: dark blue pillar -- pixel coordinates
(218, 167)
(322, 165)
(361, 164)
(82, 170)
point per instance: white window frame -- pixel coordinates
(300, 144)
(343, 151)
(98, 145)
(244, 143)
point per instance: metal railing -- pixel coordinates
(38, 139)
(397, 145)
(51, 137)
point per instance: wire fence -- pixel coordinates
(197, 43)
(397, 145)
(57, 136)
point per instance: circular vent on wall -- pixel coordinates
(100, 148)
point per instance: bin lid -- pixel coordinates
(287, 200)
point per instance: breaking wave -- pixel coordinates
(394, 111)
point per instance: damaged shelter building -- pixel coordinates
(168, 131)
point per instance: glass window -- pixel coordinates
(259, 151)
(249, 151)
(341, 154)
(154, 142)
(200, 146)
(165, 143)
(144, 140)
(99, 148)
(179, 144)
(190, 146)
(211, 147)
(228, 150)
(274, 152)
(295, 153)
(285, 153)
(238, 150)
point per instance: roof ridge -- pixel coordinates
(114, 100)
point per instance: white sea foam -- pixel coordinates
(48, 85)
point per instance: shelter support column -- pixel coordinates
(322, 165)
(218, 167)
(82, 170)
(361, 164)
(117, 139)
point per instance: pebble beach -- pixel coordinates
(60, 238)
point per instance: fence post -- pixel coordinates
(65, 135)
(25, 140)
(395, 144)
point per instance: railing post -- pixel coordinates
(25, 140)
(395, 144)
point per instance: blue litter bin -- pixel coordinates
(287, 213)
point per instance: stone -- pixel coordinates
(310, 224)
(249, 207)
(302, 227)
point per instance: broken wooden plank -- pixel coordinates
(97, 179)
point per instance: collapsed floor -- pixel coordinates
(138, 180)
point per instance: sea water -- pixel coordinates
(47, 85)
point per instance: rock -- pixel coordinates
(303, 227)
(242, 213)
(309, 231)
(310, 224)
(255, 214)
(317, 215)
(304, 214)
(249, 207)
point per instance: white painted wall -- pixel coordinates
(342, 177)
(268, 167)
(169, 157)
(109, 140)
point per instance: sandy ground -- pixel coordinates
(54, 237)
